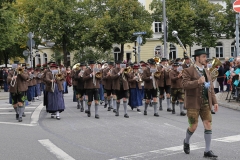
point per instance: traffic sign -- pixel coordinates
(26, 53)
(139, 33)
(236, 6)
(29, 43)
(139, 40)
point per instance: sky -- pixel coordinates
(142, 1)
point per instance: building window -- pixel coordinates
(158, 51)
(45, 58)
(157, 27)
(219, 50)
(233, 49)
(207, 51)
(116, 52)
(39, 59)
(173, 52)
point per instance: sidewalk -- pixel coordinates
(221, 99)
(4, 95)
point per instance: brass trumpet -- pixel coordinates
(127, 70)
(59, 75)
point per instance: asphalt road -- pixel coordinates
(139, 137)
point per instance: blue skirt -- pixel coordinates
(135, 98)
(55, 101)
(30, 93)
(38, 90)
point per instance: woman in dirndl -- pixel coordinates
(135, 99)
(54, 87)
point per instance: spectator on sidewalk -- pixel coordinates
(5, 75)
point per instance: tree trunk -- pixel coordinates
(122, 52)
(64, 50)
(5, 58)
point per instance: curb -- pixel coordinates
(231, 106)
(3, 98)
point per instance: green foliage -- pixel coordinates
(89, 53)
(57, 56)
(230, 16)
(197, 21)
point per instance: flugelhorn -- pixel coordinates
(13, 81)
(175, 34)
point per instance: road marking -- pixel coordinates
(60, 154)
(36, 114)
(18, 124)
(229, 139)
(34, 117)
(7, 113)
(14, 111)
(175, 150)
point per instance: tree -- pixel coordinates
(115, 22)
(197, 21)
(85, 54)
(230, 16)
(53, 20)
(10, 31)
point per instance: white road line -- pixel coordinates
(7, 113)
(13, 109)
(35, 114)
(229, 139)
(175, 150)
(60, 154)
(18, 124)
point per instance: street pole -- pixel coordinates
(139, 49)
(31, 58)
(237, 35)
(165, 30)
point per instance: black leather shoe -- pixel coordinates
(212, 112)
(52, 115)
(183, 114)
(173, 111)
(20, 119)
(114, 110)
(126, 116)
(105, 105)
(58, 118)
(82, 109)
(138, 110)
(109, 108)
(156, 114)
(117, 114)
(78, 106)
(186, 147)
(145, 113)
(23, 115)
(97, 116)
(17, 116)
(210, 154)
(169, 110)
(89, 114)
(160, 108)
(86, 111)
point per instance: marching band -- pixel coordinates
(134, 84)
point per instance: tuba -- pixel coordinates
(76, 66)
(19, 70)
(157, 60)
(213, 70)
